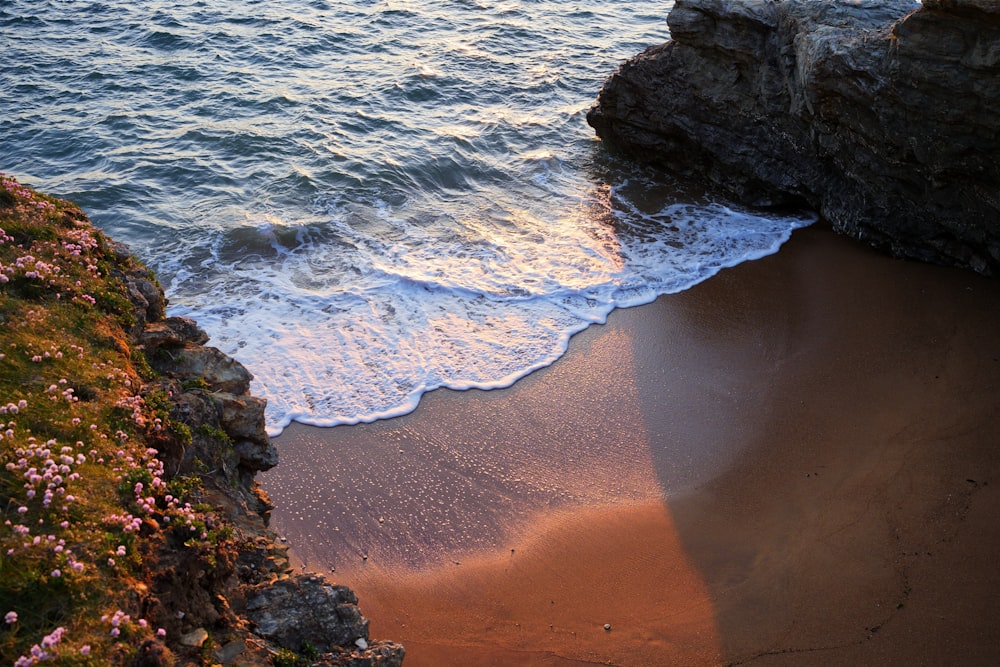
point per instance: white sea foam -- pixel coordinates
(353, 317)
(363, 201)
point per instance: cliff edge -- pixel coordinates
(881, 115)
(131, 528)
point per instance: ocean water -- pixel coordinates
(362, 200)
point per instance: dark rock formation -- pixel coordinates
(241, 588)
(192, 361)
(881, 115)
(296, 609)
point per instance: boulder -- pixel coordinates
(306, 608)
(171, 332)
(881, 115)
(256, 456)
(242, 417)
(219, 371)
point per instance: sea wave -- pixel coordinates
(362, 200)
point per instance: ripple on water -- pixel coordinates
(361, 200)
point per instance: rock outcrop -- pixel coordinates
(160, 554)
(245, 592)
(881, 115)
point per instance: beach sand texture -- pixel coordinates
(795, 462)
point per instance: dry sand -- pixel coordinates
(795, 462)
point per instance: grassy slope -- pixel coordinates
(85, 504)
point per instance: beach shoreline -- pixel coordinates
(793, 460)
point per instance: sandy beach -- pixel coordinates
(795, 462)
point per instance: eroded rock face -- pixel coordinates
(208, 364)
(217, 433)
(242, 416)
(882, 115)
(306, 609)
(171, 332)
(210, 394)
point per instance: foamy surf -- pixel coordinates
(363, 201)
(346, 323)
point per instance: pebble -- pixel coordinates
(607, 627)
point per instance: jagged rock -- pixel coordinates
(242, 417)
(140, 283)
(306, 608)
(190, 362)
(256, 456)
(121, 251)
(171, 332)
(879, 114)
(196, 409)
(151, 293)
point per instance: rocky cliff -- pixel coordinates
(131, 528)
(250, 596)
(881, 115)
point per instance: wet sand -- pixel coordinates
(792, 463)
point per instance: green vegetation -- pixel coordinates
(287, 658)
(216, 434)
(85, 505)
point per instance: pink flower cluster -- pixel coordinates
(153, 500)
(46, 475)
(120, 620)
(13, 408)
(12, 186)
(38, 532)
(43, 651)
(137, 405)
(24, 193)
(66, 393)
(69, 252)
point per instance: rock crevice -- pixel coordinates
(881, 115)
